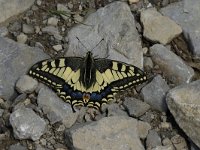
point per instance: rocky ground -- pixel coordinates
(161, 36)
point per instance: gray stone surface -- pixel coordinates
(184, 104)
(26, 84)
(51, 30)
(167, 147)
(3, 31)
(15, 60)
(153, 139)
(135, 107)
(143, 129)
(27, 28)
(187, 14)
(27, 124)
(56, 109)
(1, 112)
(154, 93)
(17, 146)
(116, 25)
(158, 28)
(113, 133)
(10, 8)
(172, 66)
(115, 110)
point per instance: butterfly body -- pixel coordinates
(87, 81)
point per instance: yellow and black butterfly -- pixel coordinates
(87, 81)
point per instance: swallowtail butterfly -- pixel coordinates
(87, 81)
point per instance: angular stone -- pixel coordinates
(184, 104)
(113, 133)
(143, 128)
(167, 147)
(116, 25)
(27, 124)
(12, 7)
(154, 24)
(153, 139)
(26, 84)
(3, 31)
(22, 38)
(171, 65)
(15, 60)
(187, 14)
(135, 107)
(56, 109)
(154, 93)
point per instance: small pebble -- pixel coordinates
(22, 38)
(28, 29)
(53, 21)
(57, 47)
(39, 2)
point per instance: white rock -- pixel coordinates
(22, 38)
(57, 47)
(52, 21)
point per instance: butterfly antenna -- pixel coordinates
(97, 44)
(82, 43)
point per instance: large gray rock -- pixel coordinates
(113, 133)
(154, 93)
(159, 28)
(187, 14)
(184, 104)
(27, 124)
(10, 8)
(56, 109)
(15, 60)
(171, 65)
(116, 25)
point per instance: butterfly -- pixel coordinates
(87, 81)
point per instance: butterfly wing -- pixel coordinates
(62, 75)
(113, 76)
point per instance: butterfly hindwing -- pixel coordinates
(113, 76)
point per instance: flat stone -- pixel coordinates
(116, 25)
(154, 24)
(135, 107)
(179, 142)
(55, 108)
(113, 133)
(27, 124)
(153, 139)
(186, 14)
(184, 104)
(15, 60)
(154, 93)
(17, 8)
(26, 84)
(28, 29)
(172, 66)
